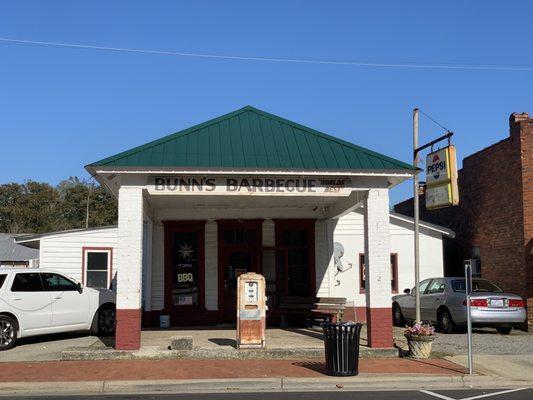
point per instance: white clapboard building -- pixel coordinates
(247, 191)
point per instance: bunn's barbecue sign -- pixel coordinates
(305, 186)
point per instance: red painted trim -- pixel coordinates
(309, 225)
(223, 249)
(128, 332)
(379, 327)
(86, 249)
(362, 285)
(183, 226)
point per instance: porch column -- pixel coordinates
(377, 269)
(129, 274)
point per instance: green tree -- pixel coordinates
(34, 207)
(30, 207)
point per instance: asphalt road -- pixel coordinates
(472, 394)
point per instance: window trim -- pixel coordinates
(394, 264)
(85, 251)
(170, 227)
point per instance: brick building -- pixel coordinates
(494, 220)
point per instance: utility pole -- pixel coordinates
(87, 207)
(416, 214)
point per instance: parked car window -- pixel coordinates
(27, 282)
(437, 286)
(2, 280)
(57, 283)
(422, 286)
(478, 285)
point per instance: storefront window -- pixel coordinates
(185, 268)
(240, 236)
(393, 272)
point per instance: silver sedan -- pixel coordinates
(443, 301)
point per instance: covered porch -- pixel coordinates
(248, 191)
(193, 247)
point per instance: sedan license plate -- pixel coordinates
(498, 303)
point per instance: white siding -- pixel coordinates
(322, 258)
(158, 267)
(211, 265)
(63, 251)
(350, 233)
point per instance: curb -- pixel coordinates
(361, 382)
(156, 353)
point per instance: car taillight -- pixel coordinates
(478, 302)
(517, 303)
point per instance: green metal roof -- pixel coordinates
(250, 138)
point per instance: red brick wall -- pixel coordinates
(526, 140)
(379, 325)
(491, 188)
(128, 333)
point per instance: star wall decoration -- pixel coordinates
(185, 251)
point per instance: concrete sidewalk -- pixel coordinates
(513, 367)
(181, 376)
(138, 370)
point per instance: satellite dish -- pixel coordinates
(338, 252)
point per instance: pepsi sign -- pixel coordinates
(441, 179)
(437, 167)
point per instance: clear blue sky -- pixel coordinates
(63, 108)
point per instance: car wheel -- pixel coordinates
(504, 330)
(445, 321)
(397, 316)
(8, 332)
(105, 321)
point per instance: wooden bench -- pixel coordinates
(330, 308)
(314, 308)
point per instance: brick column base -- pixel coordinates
(379, 327)
(128, 333)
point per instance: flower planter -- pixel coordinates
(419, 346)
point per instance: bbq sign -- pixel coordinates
(441, 178)
(306, 186)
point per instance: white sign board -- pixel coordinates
(278, 186)
(438, 196)
(441, 178)
(437, 170)
(251, 293)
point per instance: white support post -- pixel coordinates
(377, 269)
(129, 276)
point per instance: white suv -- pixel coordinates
(37, 301)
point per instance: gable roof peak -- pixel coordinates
(253, 138)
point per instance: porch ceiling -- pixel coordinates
(313, 206)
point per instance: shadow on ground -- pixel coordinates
(224, 342)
